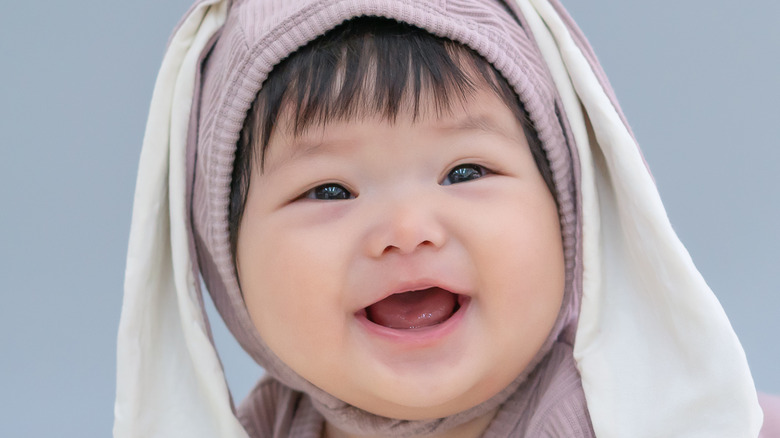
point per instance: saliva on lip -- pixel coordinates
(422, 318)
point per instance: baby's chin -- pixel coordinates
(412, 400)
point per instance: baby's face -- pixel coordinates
(412, 269)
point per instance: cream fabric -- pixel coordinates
(652, 341)
(169, 378)
(655, 351)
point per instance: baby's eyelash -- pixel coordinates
(464, 173)
(337, 192)
(328, 192)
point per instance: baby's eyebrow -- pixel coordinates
(479, 122)
(297, 147)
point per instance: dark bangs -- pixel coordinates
(366, 66)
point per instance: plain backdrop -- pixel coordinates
(698, 80)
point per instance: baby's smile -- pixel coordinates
(417, 313)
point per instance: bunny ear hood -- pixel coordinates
(654, 350)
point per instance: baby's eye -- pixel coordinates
(463, 173)
(328, 192)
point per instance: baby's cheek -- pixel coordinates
(524, 286)
(296, 292)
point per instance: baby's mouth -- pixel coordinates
(414, 309)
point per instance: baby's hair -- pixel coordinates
(367, 66)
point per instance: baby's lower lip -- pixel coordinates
(416, 336)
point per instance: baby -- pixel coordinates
(391, 222)
(422, 219)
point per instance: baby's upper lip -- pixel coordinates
(418, 283)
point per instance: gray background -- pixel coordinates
(699, 81)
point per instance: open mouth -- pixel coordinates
(414, 309)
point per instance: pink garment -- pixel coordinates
(771, 406)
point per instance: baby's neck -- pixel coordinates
(473, 429)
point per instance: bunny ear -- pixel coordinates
(169, 378)
(656, 353)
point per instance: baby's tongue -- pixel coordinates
(414, 309)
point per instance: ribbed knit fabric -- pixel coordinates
(260, 33)
(273, 410)
(553, 394)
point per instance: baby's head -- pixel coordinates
(393, 222)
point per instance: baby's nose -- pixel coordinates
(405, 225)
